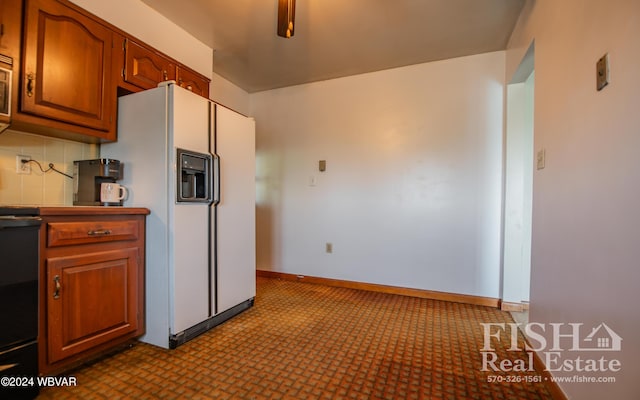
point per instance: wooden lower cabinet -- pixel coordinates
(92, 286)
(98, 302)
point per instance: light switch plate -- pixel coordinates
(540, 159)
(602, 72)
(322, 165)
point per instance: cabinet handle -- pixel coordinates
(190, 87)
(165, 75)
(56, 291)
(99, 232)
(30, 83)
(180, 82)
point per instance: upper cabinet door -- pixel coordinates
(193, 81)
(10, 24)
(66, 72)
(145, 68)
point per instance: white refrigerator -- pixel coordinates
(192, 163)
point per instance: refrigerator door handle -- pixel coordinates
(215, 178)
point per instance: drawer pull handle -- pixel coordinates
(56, 291)
(99, 232)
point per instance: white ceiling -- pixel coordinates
(335, 38)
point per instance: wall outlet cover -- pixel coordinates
(23, 168)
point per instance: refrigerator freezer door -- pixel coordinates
(189, 120)
(143, 147)
(190, 268)
(151, 124)
(190, 271)
(236, 256)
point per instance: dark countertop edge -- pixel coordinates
(93, 210)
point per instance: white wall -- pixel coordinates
(229, 95)
(586, 219)
(412, 192)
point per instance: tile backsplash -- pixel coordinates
(39, 188)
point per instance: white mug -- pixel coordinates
(112, 192)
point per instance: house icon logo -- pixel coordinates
(602, 338)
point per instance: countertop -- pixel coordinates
(71, 210)
(93, 210)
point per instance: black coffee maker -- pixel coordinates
(89, 175)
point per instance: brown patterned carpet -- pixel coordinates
(306, 341)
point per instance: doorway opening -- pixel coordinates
(518, 192)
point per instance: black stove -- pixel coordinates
(19, 248)
(19, 210)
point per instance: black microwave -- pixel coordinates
(6, 64)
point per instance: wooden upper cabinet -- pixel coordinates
(71, 67)
(193, 81)
(145, 68)
(10, 17)
(66, 73)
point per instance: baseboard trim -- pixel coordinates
(512, 306)
(373, 287)
(553, 387)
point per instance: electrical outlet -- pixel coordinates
(328, 248)
(22, 165)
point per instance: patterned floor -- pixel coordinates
(305, 341)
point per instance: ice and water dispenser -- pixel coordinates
(194, 177)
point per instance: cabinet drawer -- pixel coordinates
(71, 233)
